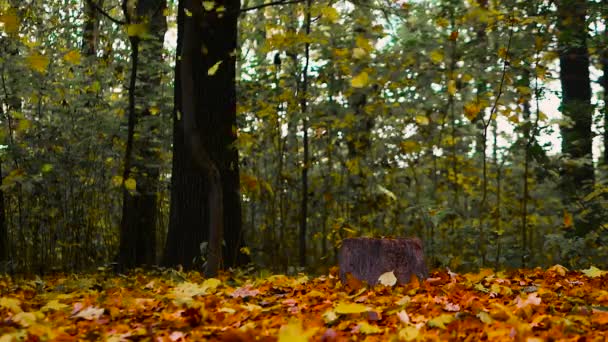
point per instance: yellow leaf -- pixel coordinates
(47, 168)
(452, 87)
(350, 308)
(422, 120)
(440, 321)
(187, 12)
(38, 62)
(130, 184)
(409, 333)
(137, 30)
(154, 110)
(359, 53)
(363, 43)
(436, 56)
(559, 269)
(12, 304)
(330, 14)
(245, 250)
(208, 5)
(360, 80)
(72, 57)
(23, 125)
(214, 68)
(471, 110)
(293, 332)
(10, 21)
(368, 329)
(388, 278)
(593, 272)
(409, 146)
(117, 180)
(53, 305)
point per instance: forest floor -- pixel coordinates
(521, 305)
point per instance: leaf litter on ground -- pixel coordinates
(522, 305)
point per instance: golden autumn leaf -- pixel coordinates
(422, 120)
(214, 68)
(330, 13)
(137, 30)
(72, 57)
(10, 22)
(360, 80)
(38, 62)
(436, 56)
(130, 184)
(471, 110)
(350, 308)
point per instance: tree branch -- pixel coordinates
(105, 14)
(268, 4)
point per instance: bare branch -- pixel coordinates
(268, 4)
(105, 14)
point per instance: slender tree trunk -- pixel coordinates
(90, 36)
(142, 162)
(205, 196)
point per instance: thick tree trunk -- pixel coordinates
(205, 191)
(142, 162)
(576, 96)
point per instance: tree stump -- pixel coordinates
(367, 259)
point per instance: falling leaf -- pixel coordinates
(46, 168)
(72, 57)
(245, 250)
(363, 43)
(388, 278)
(350, 308)
(38, 62)
(154, 110)
(567, 219)
(10, 21)
(208, 5)
(360, 80)
(214, 68)
(471, 110)
(436, 56)
(130, 184)
(330, 13)
(359, 53)
(137, 30)
(452, 87)
(422, 120)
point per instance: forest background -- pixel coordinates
(324, 120)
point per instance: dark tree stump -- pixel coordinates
(368, 258)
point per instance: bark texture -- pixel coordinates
(368, 258)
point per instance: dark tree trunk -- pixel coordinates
(142, 162)
(576, 96)
(604, 63)
(205, 162)
(90, 36)
(3, 227)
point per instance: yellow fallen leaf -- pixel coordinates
(293, 332)
(409, 333)
(388, 278)
(369, 329)
(593, 272)
(350, 308)
(441, 321)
